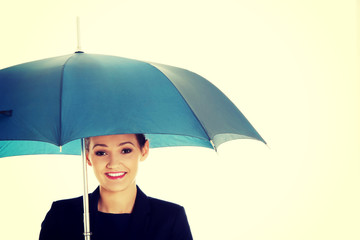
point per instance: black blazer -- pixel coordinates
(151, 219)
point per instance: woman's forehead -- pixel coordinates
(113, 139)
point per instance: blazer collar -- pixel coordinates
(141, 206)
(139, 220)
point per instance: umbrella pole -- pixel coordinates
(87, 232)
(78, 33)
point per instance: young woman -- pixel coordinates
(118, 208)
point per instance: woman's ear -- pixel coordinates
(145, 150)
(88, 160)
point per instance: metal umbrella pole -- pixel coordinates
(87, 232)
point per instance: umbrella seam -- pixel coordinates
(61, 98)
(201, 123)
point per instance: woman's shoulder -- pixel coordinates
(76, 202)
(163, 204)
(155, 204)
(168, 218)
(165, 210)
(64, 219)
(70, 204)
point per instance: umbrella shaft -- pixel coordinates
(87, 232)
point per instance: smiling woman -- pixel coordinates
(118, 208)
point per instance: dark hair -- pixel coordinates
(139, 137)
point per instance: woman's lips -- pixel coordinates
(115, 175)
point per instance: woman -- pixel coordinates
(118, 208)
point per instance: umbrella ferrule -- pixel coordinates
(213, 145)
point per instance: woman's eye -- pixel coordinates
(126, 150)
(100, 153)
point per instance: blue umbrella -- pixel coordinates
(47, 106)
(62, 99)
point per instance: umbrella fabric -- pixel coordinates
(18, 148)
(56, 101)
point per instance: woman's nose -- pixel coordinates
(114, 161)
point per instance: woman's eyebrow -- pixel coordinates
(123, 143)
(99, 145)
(104, 145)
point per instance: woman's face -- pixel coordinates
(115, 160)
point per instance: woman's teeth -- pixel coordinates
(116, 174)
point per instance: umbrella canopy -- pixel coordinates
(57, 101)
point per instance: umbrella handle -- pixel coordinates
(87, 232)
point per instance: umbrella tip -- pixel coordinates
(213, 145)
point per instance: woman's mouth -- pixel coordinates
(115, 175)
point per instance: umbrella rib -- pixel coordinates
(201, 124)
(61, 93)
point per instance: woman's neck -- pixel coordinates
(117, 202)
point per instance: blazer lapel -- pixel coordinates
(93, 203)
(93, 200)
(140, 216)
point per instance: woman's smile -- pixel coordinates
(115, 175)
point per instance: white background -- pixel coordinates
(290, 66)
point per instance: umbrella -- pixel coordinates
(47, 106)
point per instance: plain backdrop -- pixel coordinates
(292, 68)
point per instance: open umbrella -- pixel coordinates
(47, 106)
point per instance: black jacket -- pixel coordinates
(151, 219)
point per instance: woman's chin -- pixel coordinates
(117, 187)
